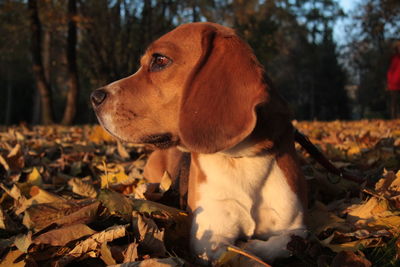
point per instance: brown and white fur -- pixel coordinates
(208, 95)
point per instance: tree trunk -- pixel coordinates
(47, 116)
(195, 14)
(73, 81)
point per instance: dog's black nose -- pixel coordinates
(98, 96)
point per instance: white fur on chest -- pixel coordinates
(246, 197)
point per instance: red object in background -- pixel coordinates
(393, 74)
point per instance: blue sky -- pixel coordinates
(338, 31)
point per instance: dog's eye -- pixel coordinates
(159, 62)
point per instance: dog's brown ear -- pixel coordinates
(218, 108)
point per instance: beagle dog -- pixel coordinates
(200, 89)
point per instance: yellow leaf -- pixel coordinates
(354, 150)
(34, 178)
(234, 256)
(166, 182)
(4, 163)
(117, 175)
(356, 245)
(320, 219)
(367, 210)
(391, 222)
(98, 135)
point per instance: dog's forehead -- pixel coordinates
(193, 32)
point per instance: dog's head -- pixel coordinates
(198, 86)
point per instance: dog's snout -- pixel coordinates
(98, 96)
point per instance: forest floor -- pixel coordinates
(74, 196)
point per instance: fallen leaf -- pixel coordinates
(39, 196)
(167, 262)
(361, 212)
(349, 259)
(122, 151)
(116, 203)
(105, 254)
(150, 236)
(4, 163)
(98, 135)
(62, 236)
(166, 182)
(17, 195)
(131, 252)
(10, 259)
(356, 245)
(93, 243)
(34, 177)
(23, 241)
(320, 219)
(114, 175)
(15, 158)
(40, 216)
(235, 256)
(82, 188)
(389, 185)
(6, 223)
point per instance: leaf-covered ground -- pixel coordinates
(72, 196)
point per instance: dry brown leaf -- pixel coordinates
(93, 243)
(151, 207)
(6, 223)
(350, 259)
(320, 219)
(82, 188)
(122, 151)
(17, 195)
(167, 262)
(367, 210)
(43, 196)
(4, 163)
(392, 223)
(61, 213)
(10, 259)
(148, 191)
(178, 220)
(356, 245)
(116, 203)
(15, 158)
(62, 236)
(105, 254)
(150, 236)
(236, 257)
(389, 184)
(131, 252)
(39, 196)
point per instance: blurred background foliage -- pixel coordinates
(53, 53)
